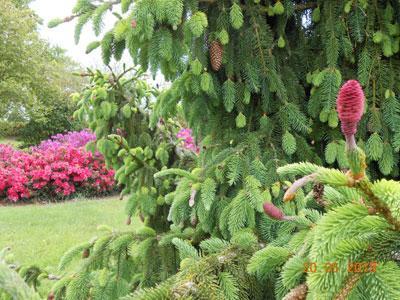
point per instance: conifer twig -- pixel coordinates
(298, 184)
(348, 287)
(74, 16)
(365, 187)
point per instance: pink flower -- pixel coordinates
(56, 170)
(188, 142)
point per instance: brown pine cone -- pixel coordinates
(216, 54)
(318, 193)
(298, 293)
(350, 284)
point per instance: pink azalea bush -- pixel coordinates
(52, 169)
(76, 139)
(188, 142)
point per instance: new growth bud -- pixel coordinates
(272, 211)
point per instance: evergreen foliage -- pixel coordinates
(12, 286)
(257, 82)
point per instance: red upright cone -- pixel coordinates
(350, 106)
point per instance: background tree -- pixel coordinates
(34, 77)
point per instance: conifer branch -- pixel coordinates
(297, 7)
(263, 61)
(298, 184)
(299, 293)
(305, 6)
(365, 187)
(77, 15)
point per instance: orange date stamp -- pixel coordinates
(333, 267)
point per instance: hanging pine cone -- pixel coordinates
(216, 53)
(318, 193)
(298, 293)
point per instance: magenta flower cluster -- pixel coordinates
(188, 142)
(55, 168)
(76, 139)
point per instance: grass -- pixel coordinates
(40, 234)
(10, 141)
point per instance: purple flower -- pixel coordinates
(75, 139)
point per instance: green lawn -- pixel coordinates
(40, 234)
(10, 141)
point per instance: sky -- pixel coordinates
(63, 35)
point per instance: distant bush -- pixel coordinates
(10, 129)
(55, 169)
(46, 122)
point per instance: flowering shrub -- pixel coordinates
(76, 139)
(188, 142)
(58, 167)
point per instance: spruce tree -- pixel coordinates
(272, 68)
(118, 108)
(257, 82)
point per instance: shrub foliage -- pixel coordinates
(54, 169)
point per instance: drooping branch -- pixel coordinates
(77, 15)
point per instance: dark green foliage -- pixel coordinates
(47, 121)
(10, 129)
